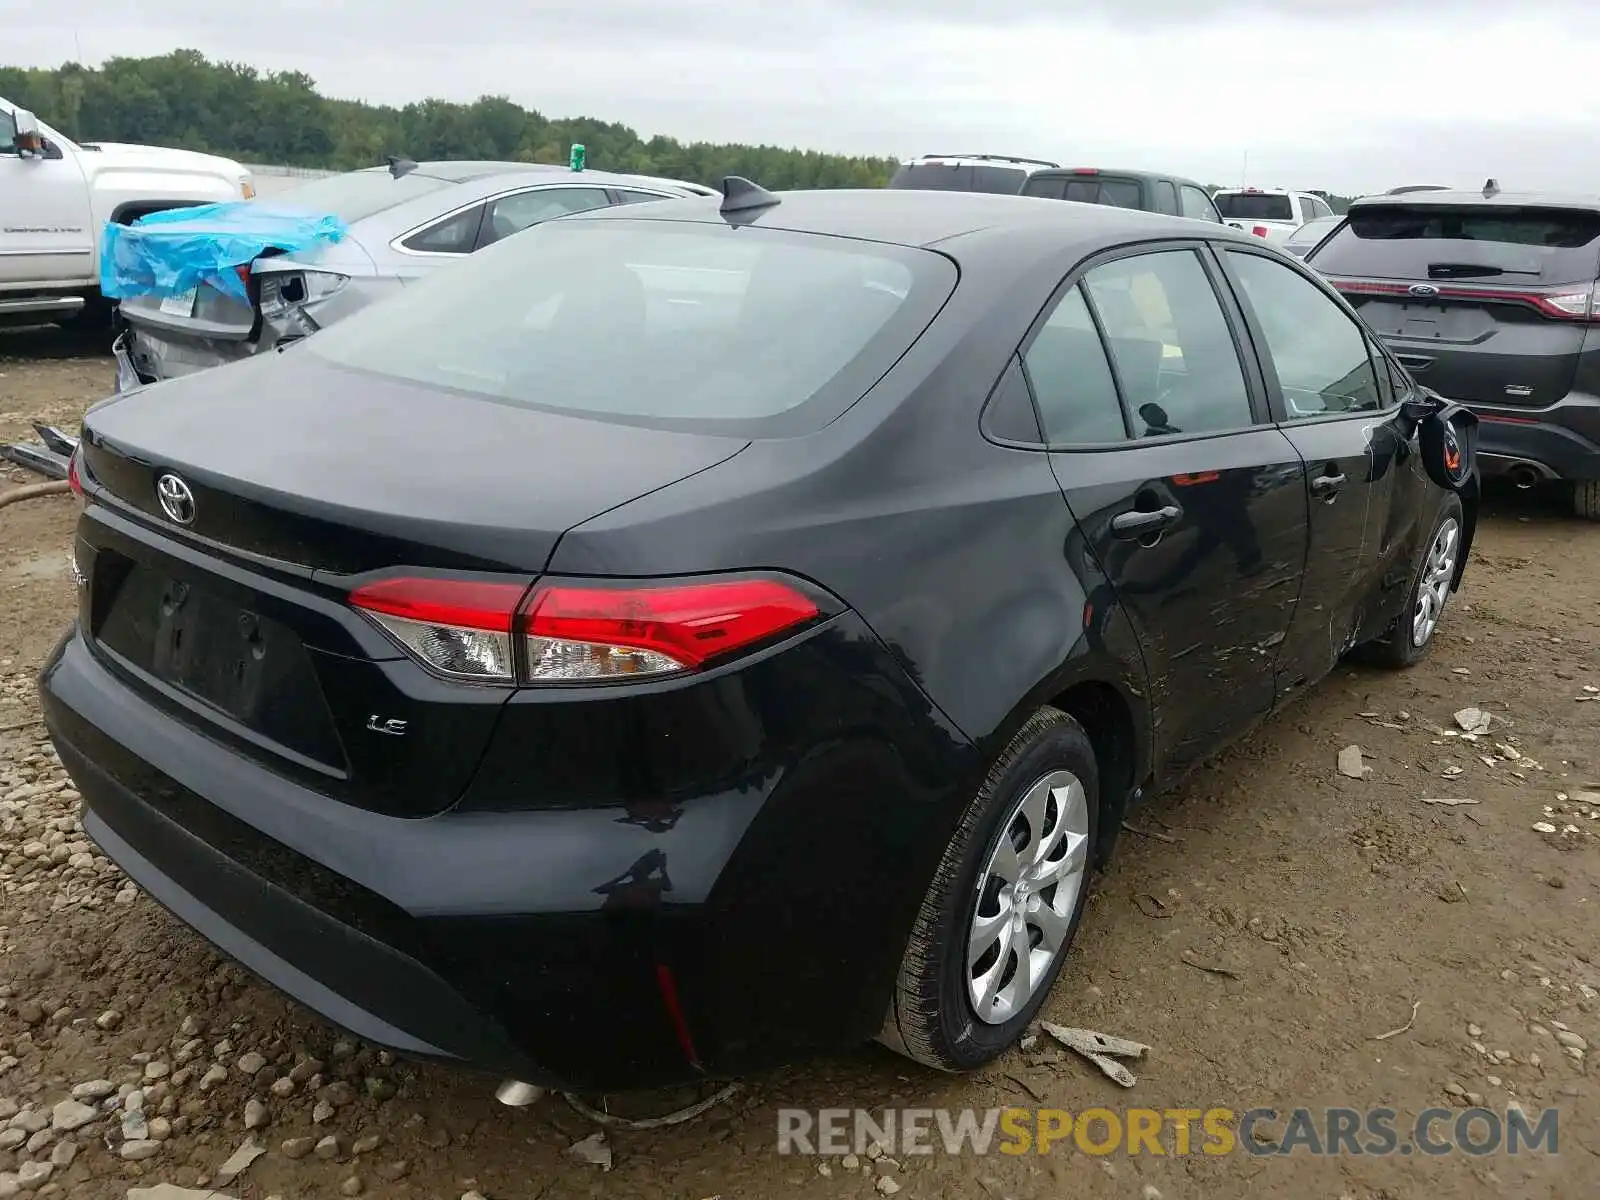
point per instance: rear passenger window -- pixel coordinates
(1166, 197)
(1072, 381)
(1174, 354)
(514, 213)
(1320, 354)
(454, 235)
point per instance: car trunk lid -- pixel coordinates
(238, 622)
(435, 481)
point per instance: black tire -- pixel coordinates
(94, 317)
(1397, 648)
(1586, 500)
(932, 1019)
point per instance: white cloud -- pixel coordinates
(1354, 96)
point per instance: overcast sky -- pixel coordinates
(1348, 95)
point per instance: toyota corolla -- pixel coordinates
(681, 638)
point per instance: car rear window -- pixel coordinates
(1432, 241)
(659, 323)
(359, 194)
(1253, 206)
(1100, 189)
(960, 177)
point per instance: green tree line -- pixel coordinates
(279, 117)
(185, 99)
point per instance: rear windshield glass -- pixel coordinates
(1119, 193)
(1313, 231)
(359, 194)
(660, 323)
(1253, 206)
(960, 177)
(1426, 241)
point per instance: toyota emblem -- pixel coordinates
(1424, 289)
(177, 501)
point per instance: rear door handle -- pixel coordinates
(1141, 524)
(1327, 486)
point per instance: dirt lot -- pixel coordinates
(1336, 904)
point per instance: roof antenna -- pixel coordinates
(399, 165)
(1491, 187)
(740, 195)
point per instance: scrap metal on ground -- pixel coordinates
(48, 456)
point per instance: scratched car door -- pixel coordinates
(1333, 398)
(1191, 500)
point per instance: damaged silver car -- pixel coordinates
(404, 221)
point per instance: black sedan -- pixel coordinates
(684, 637)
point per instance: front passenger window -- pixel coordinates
(1320, 354)
(1197, 204)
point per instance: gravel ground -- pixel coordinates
(131, 1054)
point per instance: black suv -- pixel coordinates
(1489, 298)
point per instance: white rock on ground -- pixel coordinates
(72, 1114)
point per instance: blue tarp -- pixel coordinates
(172, 252)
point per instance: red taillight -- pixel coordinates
(458, 627)
(74, 475)
(1260, 231)
(578, 632)
(1579, 304)
(243, 271)
(1086, 170)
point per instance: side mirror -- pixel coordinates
(29, 141)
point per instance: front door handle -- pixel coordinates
(1141, 524)
(1327, 486)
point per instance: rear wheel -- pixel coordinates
(93, 317)
(1409, 638)
(1005, 903)
(1586, 499)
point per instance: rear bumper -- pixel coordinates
(1560, 442)
(144, 356)
(598, 948)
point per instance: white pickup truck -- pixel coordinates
(1269, 213)
(56, 197)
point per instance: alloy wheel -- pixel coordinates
(1434, 587)
(1027, 895)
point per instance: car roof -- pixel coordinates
(910, 217)
(1459, 199)
(1255, 191)
(469, 171)
(1121, 173)
(992, 160)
